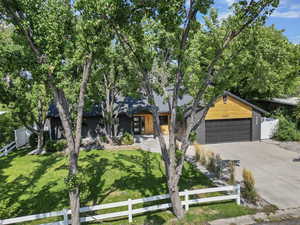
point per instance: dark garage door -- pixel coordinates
(228, 130)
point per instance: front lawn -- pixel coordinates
(35, 184)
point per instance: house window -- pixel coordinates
(163, 120)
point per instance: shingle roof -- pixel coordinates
(293, 101)
(131, 105)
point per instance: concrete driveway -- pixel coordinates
(276, 173)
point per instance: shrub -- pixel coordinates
(204, 159)
(287, 130)
(231, 173)
(7, 208)
(211, 165)
(103, 139)
(8, 125)
(33, 139)
(198, 150)
(218, 166)
(56, 145)
(127, 139)
(249, 192)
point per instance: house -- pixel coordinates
(230, 119)
(288, 104)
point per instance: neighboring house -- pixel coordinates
(289, 104)
(230, 119)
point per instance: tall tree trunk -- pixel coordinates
(40, 143)
(73, 167)
(172, 181)
(64, 114)
(169, 158)
(73, 141)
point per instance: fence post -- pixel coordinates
(238, 193)
(186, 200)
(66, 219)
(129, 211)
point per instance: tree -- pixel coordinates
(26, 100)
(64, 38)
(171, 46)
(112, 79)
(269, 65)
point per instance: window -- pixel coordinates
(163, 120)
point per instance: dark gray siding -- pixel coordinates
(90, 127)
(56, 129)
(125, 124)
(201, 131)
(256, 126)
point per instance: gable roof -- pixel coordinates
(245, 102)
(130, 106)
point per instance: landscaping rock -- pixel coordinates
(90, 143)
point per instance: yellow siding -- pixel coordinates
(233, 109)
(165, 129)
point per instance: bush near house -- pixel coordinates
(127, 139)
(287, 130)
(56, 145)
(8, 125)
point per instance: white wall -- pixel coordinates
(268, 127)
(22, 136)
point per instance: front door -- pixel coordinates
(143, 124)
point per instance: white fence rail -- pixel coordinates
(234, 194)
(7, 149)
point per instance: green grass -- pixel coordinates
(35, 184)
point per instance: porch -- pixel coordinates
(143, 123)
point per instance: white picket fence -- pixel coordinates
(7, 149)
(234, 194)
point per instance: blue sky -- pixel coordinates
(286, 16)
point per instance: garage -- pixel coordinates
(230, 130)
(230, 119)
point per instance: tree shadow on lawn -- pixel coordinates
(139, 174)
(22, 195)
(146, 174)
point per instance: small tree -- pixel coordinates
(112, 80)
(25, 97)
(249, 191)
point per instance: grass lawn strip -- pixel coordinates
(35, 184)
